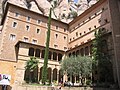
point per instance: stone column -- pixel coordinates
(75, 79)
(52, 76)
(115, 22)
(38, 74)
(65, 78)
(40, 53)
(57, 76)
(51, 55)
(89, 50)
(57, 56)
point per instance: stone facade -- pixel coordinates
(24, 35)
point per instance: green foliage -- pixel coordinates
(44, 71)
(31, 64)
(72, 14)
(80, 65)
(101, 60)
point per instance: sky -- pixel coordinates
(75, 0)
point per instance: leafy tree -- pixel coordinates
(77, 66)
(101, 60)
(31, 65)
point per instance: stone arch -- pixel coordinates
(77, 52)
(82, 51)
(55, 74)
(31, 51)
(86, 50)
(49, 74)
(31, 76)
(73, 53)
(54, 56)
(59, 57)
(37, 53)
(69, 54)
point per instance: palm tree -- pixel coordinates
(31, 65)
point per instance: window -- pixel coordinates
(55, 46)
(80, 34)
(95, 26)
(27, 27)
(76, 34)
(25, 39)
(65, 30)
(89, 29)
(31, 52)
(84, 32)
(106, 21)
(56, 27)
(73, 38)
(89, 17)
(16, 14)
(14, 24)
(65, 48)
(56, 35)
(38, 30)
(39, 21)
(28, 18)
(37, 53)
(70, 39)
(64, 37)
(103, 9)
(34, 41)
(12, 37)
(99, 20)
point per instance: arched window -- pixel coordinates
(31, 52)
(69, 54)
(86, 50)
(77, 52)
(59, 57)
(82, 51)
(73, 53)
(50, 54)
(37, 53)
(43, 52)
(54, 56)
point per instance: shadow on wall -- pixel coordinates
(8, 87)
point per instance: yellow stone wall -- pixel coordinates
(9, 68)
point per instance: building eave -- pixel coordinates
(87, 11)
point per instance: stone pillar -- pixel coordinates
(57, 76)
(40, 53)
(115, 22)
(75, 79)
(38, 74)
(65, 78)
(57, 56)
(51, 55)
(89, 50)
(52, 76)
